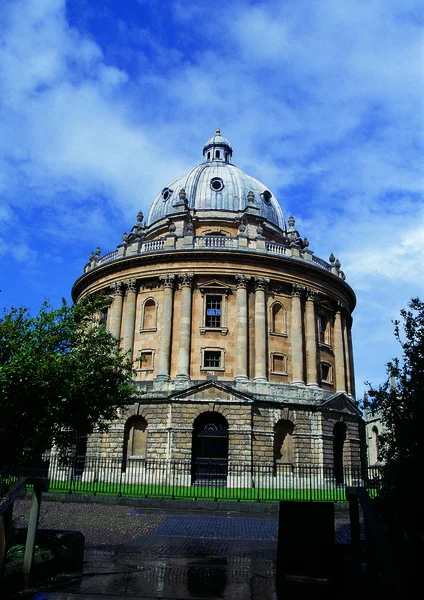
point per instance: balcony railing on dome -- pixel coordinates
(232, 481)
(208, 241)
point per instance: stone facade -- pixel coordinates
(228, 313)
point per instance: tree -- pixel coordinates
(400, 401)
(62, 375)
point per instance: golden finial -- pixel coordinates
(218, 131)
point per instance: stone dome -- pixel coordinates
(217, 185)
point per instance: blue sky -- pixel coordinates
(103, 102)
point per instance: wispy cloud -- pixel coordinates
(103, 104)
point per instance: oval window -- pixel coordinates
(267, 196)
(166, 193)
(217, 184)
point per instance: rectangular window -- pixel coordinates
(146, 360)
(212, 359)
(279, 363)
(326, 372)
(213, 311)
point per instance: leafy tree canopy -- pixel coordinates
(400, 401)
(62, 375)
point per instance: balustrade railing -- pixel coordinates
(210, 241)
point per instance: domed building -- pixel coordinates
(240, 335)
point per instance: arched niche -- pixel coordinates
(283, 441)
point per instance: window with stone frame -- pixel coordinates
(146, 359)
(213, 316)
(149, 311)
(326, 372)
(278, 319)
(103, 315)
(278, 363)
(212, 359)
(324, 323)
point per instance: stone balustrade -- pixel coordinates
(208, 241)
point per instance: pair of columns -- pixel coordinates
(127, 329)
(306, 326)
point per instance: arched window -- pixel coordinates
(339, 438)
(149, 314)
(135, 438)
(278, 319)
(217, 154)
(283, 441)
(375, 446)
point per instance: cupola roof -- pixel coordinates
(216, 185)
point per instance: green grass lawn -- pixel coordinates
(198, 492)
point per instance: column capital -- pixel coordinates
(186, 280)
(131, 285)
(297, 290)
(168, 281)
(241, 281)
(117, 288)
(260, 283)
(311, 294)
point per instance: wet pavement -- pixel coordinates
(134, 553)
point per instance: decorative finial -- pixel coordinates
(140, 217)
(218, 131)
(305, 242)
(97, 252)
(332, 258)
(125, 237)
(251, 197)
(182, 195)
(291, 221)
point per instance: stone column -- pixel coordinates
(185, 327)
(352, 390)
(311, 340)
(347, 357)
(260, 329)
(128, 325)
(115, 315)
(166, 326)
(339, 353)
(241, 329)
(297, 337)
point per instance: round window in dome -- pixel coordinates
(267, 196)
(166, 193)
(217, 184)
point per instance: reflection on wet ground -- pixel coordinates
(178, 556)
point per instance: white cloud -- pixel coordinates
(323, 101)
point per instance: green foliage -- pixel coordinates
(61, 375)
(400, 401)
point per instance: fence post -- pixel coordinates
(32, 530)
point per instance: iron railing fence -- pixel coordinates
(207, 480)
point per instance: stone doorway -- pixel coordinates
(210, 449)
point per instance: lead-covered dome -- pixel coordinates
(217, 185)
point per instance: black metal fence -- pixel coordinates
(232, 481)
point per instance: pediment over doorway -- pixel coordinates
(342, 403)
(212, 391)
